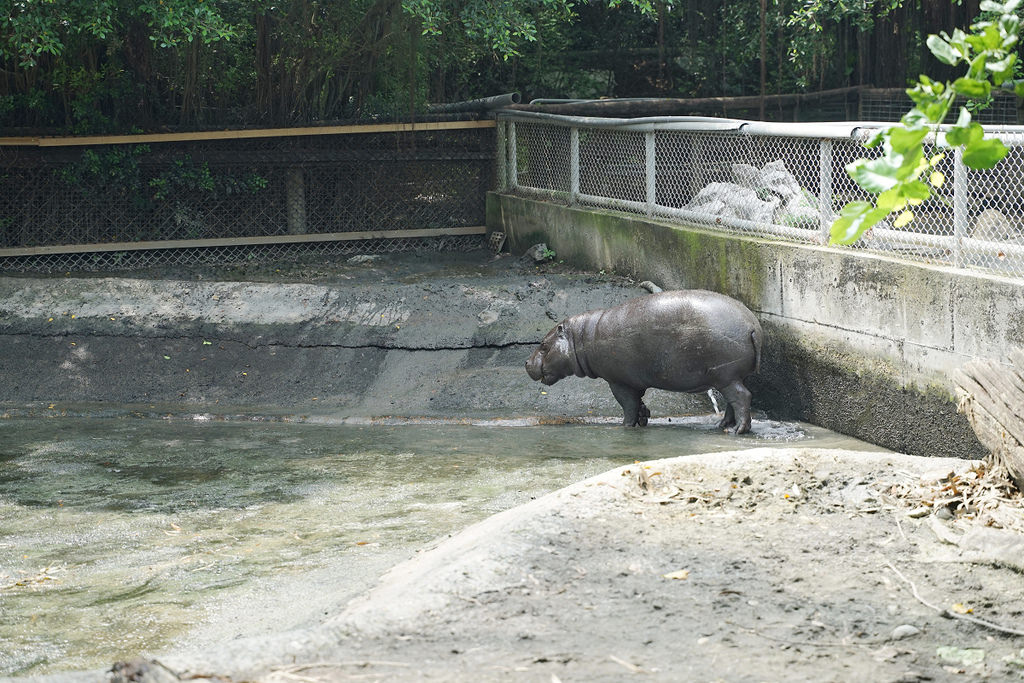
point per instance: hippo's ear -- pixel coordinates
(560, 328)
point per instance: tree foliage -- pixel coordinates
(90, 66)
(988, 55)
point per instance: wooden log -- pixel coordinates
(632, 108)
(991, 395)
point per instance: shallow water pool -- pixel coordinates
(121, 536)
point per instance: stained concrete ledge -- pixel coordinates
(857, 343)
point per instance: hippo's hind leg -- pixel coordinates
(729, 418)
(643, 415)
(737, 412)
(634, 412)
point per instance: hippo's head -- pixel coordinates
(553, 359)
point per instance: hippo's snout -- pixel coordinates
(534, 367)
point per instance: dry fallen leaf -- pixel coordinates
(678, 574)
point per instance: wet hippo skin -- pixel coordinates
(685, 340)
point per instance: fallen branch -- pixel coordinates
(953, 615)
(361, 663)
(810, 643)
(630, 667)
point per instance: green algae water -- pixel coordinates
(126, 536)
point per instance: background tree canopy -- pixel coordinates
(94, 66)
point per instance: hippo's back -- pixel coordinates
(682, 340)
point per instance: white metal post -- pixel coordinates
(649, 173)
(513, 160)
(574, 164)
(502, 155)
(961, 202)
(825, 188)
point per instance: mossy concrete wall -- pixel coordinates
(858, 343)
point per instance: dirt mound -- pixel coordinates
(798, 564)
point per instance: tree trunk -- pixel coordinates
(264, 67)
(676, 107)
(190, 85)
(991, 395)
(764, 56)
(890, 58)
(661, 83)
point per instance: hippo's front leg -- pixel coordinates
(644, 414)
(634, 412)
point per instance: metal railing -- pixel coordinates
(773, 180)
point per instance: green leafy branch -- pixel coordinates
(896, 176)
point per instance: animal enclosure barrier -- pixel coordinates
(774, 180)
(226, 196)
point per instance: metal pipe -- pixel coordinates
(747, 227)
(827, 130)
(961, 206)
(825, 187)
(555, 100)
(650, 168)
(823, 130)
(909, 238)
(574, 164)
(835, 131)
(479, 105)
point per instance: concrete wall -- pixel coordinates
(857, 343)
(427, 334)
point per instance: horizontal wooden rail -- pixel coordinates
(242, 241)
(241, 134)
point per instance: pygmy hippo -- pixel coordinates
(684, 340)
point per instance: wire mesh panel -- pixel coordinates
(990, 229)
(612, 166)
(238, 189)
(542, 157)
(890, 104)
(142, 259)
(779, 183)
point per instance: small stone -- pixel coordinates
(904, 631)
(538, 252)
(919, 512)
(944, 513)
(935, 476)
(363, 258)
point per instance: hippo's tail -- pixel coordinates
(651, 287)
(755, 339)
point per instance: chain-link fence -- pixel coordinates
(772, 180)
(890, 104)
(69, 204)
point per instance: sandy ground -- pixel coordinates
(763, 565)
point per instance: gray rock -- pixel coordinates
(904, 631)
(770, 194)
(538, 252)
(362, 259)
